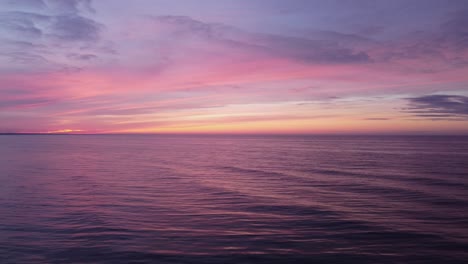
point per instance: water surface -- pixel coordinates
(233, 199)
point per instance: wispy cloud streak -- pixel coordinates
(439, 106)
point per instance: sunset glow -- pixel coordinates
(161, 66)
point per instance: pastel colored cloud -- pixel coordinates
(225, 66)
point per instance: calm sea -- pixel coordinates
(233, 199)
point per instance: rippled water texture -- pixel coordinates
(233, 199)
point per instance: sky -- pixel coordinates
(234, 66)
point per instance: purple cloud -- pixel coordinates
(38, 35)
(297, 48)
(439, 106)
(75, 28)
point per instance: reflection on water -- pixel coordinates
(233, 199)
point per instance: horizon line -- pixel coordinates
(231, 134)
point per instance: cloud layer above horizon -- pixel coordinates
(234, 66)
